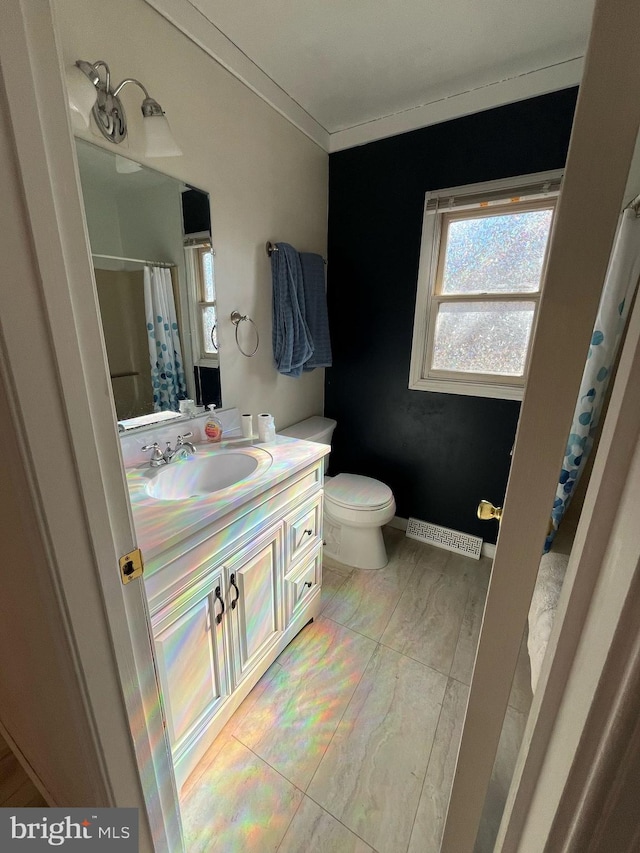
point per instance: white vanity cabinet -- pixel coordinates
(224, 605)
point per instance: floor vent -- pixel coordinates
(442, 537)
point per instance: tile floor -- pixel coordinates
(348, 743)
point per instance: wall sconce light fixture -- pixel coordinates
(90, 95)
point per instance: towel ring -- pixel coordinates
(236, 319)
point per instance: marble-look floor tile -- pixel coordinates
(434, 799)
(313, 830)
(521, 695)
(226, 733)
(332, 580)
(372, 773)
(336, 565)
(465, 655)
(291, 723)
(400, 546)
(504, 765)
(366, 600)
(240, 803)
(426, 623)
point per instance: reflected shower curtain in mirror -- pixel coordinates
(617, 295)
(165, 352)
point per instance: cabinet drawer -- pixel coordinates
(302, 582)
(303, 530)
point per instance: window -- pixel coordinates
(201, 277)
(483, 254)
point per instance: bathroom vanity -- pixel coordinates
(231, 576)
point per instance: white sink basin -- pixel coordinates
(200, 475)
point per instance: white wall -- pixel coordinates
(103, 222)
(267, 181)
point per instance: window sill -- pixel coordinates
(472, 389)
(208, 361)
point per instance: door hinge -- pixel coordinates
(131, 566)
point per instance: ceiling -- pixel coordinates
(352, 64)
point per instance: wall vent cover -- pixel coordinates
(442, 537)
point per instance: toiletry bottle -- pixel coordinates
(213, 427)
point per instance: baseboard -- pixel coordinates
(488, 549)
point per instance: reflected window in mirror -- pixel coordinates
(201, 275)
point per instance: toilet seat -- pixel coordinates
(359, 502)
(357, 493)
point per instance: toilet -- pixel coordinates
(355, 507)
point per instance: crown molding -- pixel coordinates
(199, 29)
(519, 88)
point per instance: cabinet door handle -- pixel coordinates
(309, 532)
(219, 598)
(308, 583)
(232, 581)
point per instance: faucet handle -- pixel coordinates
(157, 457)
(181, 438)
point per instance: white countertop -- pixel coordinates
(162, 524)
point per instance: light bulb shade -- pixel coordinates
(81, 93)
(124, 166)
(159, 141)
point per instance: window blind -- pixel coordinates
(477, 196)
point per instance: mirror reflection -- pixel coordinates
(153, 258)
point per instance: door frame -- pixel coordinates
(51, 325)
(584, 713)
(604, 134)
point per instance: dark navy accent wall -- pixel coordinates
(440, 453)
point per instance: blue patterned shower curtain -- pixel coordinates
(619, 287)
(165, 352)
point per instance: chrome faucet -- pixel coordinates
(183, 450)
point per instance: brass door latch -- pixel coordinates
(131, 566)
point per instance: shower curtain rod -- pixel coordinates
(163, 264)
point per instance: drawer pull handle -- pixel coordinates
(219, 598)
(309, 532)
(232, 581)
(308, 583)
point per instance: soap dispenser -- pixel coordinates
(213, 427)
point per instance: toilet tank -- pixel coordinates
(313, 429)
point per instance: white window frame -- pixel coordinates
(526, 190)
(194, 249)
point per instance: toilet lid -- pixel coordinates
(353, 491)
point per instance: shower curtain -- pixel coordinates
(619, 287)
(165, 353)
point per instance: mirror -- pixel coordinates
(150, 238)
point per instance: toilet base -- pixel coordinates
(360, 547)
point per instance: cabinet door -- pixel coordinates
(254, 591)
(193, 674)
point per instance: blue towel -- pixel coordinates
(315, 302)
(292, 344)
